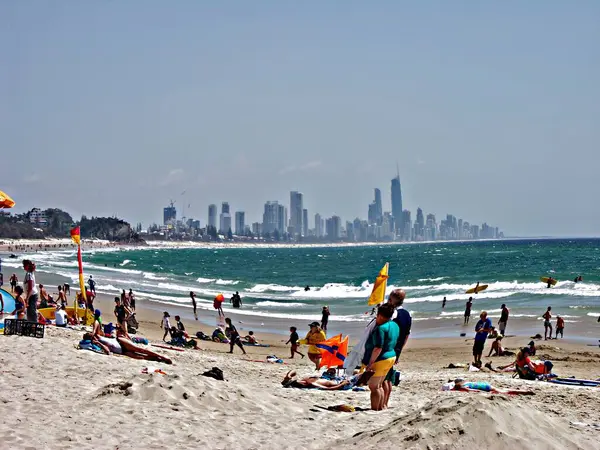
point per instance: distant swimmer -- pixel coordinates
(444, 303)
(578, 279)
(550, 282)
(307, 288)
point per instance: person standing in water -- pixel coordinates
(444, 303)
(547, 324)
(468, 310)
(193, 297)
(325, 318)
(236, 300)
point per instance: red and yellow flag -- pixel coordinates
(378, 294)
(76, 236)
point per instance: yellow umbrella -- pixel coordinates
(6, 201)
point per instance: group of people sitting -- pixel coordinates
(121, 344)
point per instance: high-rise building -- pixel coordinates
(296, 207)
(212, 216)
(225, 208)
(333, 227)
(378, 206)
(305, 222)
(419, 224)
(282, 219)
(397, 203)
(270, 217)
(240, 223)
(257, 229)
(372, 214)
(407, 232)
(224, 219)
(460, 229)
(169, 214)
(430, 228)
(319, 226)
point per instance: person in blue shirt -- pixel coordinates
(404, 322)
(482, 329)
(379, 354)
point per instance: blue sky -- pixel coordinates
(491, 109)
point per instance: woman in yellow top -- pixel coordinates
(314, 336)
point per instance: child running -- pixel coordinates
(294, 341)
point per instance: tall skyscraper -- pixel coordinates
(224, 219)
(420, 223)
(271, 217)
(333, 228)
(296, 207)
(397, 204)
(169, 214)
(212, 216)
(305, 222)
(378, 206)
(240, 223)
(282, 219)
(407, 232)
(372, 216)
(319, 226)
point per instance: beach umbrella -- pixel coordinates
(6, 201)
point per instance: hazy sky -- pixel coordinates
(491, 109)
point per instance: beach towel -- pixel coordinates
(88, 345)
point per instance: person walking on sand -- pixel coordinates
(503, 320)
(166, 324)
(325, 318)
(313, 337)
(560, 327)
(547, 324)
(379, 354)
(293, 340)
(468, 310)
(31, 290)
(193, 297)
(444, 303)
(482, 329)
(234, 336)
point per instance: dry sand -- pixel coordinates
(55, 396)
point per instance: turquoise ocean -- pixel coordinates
(271, 280)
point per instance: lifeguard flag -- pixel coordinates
(378, 293)
(333, 351)
(76, 235)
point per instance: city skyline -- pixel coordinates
(395, 224)
(492, 112)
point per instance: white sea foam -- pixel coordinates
(281, 304)
(125, 262)
(204, 280)
(151, 276)
(226, 282)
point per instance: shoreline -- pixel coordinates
(150, 311)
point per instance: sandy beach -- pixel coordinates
(60, 397)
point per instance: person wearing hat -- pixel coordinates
(313, 337)
(166, 324)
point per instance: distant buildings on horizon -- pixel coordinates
(380, 225)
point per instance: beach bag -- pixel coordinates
(215, 373)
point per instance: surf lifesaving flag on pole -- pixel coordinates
(378, 294)
(333, 351)
(76, 236)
